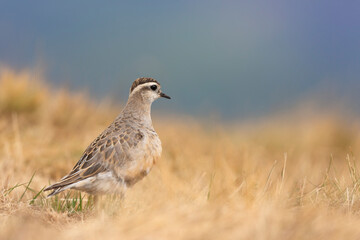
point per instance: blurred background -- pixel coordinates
(225, 58)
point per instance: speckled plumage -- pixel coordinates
(124, 152)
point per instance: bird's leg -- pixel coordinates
(95, 199)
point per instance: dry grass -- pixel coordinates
(283, 178)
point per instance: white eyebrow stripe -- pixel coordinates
(142, 85)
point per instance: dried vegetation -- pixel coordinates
(289, 177)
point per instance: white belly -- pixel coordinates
(103, 183)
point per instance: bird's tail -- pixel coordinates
(57, 188)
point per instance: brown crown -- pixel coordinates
(140, 81)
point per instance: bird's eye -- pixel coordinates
(153, 87)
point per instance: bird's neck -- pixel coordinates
(138, 108)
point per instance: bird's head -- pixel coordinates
(148, 89)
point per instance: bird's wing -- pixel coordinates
(107, 152)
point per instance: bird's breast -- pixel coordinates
(155, 146)
(148, 152)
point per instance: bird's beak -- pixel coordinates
(164, 96)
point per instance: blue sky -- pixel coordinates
(235, 58)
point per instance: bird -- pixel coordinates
(124, 152)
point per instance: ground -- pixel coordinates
(292, 175)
